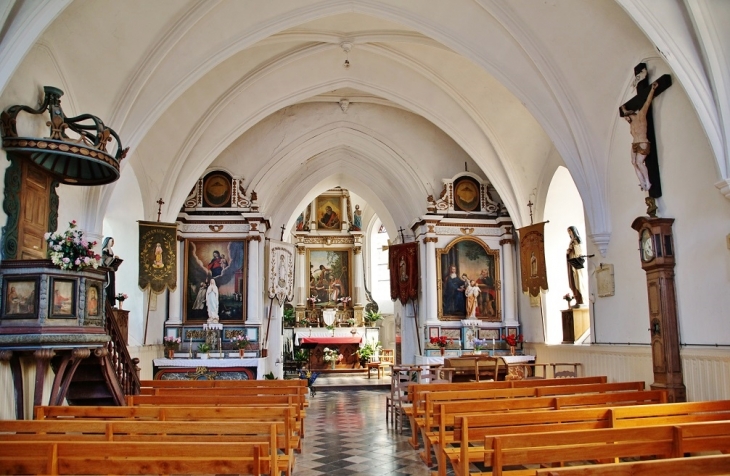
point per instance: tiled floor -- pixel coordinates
(346, 434)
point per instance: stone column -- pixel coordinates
(176, 298)
(313, 216)
(300, 277)
(254, 278)
(357, 290)
(509, 310)
(431, 287)
(344, 217)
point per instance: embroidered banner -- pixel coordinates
(532, 257)
(403, 263)
(281, 271)
(157, 256)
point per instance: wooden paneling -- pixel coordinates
(35, 192)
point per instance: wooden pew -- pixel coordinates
(221, 383)
(705, 465)
(123, 458)
(423, 422)
(444, 413)
(416, 393)
(479, 426)
(550, 448)
(286, 414)
(275, 434)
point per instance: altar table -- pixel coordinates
(225, 369)
(347, 346)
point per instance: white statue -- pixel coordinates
(211, 298)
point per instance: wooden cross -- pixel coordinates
(643, 88)
(159, 208)
(402, 238)
(530, 205)
(283, 227)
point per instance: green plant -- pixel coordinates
(367, 351)
(301, 355)
(204, 348)
(269, 376)
(372, 317)
(289, 317)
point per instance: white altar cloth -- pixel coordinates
(213, 363)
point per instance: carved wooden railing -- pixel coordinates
(125, 366)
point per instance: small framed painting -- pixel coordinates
(21, 298)
(489, 334)
(451, 333)
(93, 300)
(468, 334)
(63, 302)
(434, 332)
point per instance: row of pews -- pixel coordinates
(572, 426)
(250, 427)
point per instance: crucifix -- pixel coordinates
(159, 208)
(530, 205)
(402, 238)
(637, 112)
(283, 227)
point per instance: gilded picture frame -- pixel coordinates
(63, 298)
(329, 212)
(330, 276)
(20, 298)
(468, 259)
(226, 261)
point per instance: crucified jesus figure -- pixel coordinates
(641, 147)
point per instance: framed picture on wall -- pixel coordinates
(468, 261)
(468, 334)
(329, 212)
(63, 298)
(329, 276)
(489, 334)
(224, 261)
(434, 332)
(93, 300)
(21, 298)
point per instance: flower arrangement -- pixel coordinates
(351, 322)
(569, 298)
(441, 341)
(310, 377)
(480, 344)
(313, 300)
(372, 317)
(367, 351)
(344, 300)
(240, 340)
(69, 250)
(121, 297)
(512, 340)
(203, 348)
(171, 342)
(330, 355)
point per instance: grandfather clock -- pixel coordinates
(656, 250)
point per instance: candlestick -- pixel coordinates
(190, 351)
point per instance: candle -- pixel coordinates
(492, 341)
(191, 345)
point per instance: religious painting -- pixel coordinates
(93, 300)
(63, 301)
(434, 332)
(217, 190)
(329, 213)
(157, 256)
(468, 273)
(21, 298)
(404, 273)
(220, 260)
(468, 334)
(329, 277)
(466, 194)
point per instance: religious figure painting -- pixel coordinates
(468, 282)
(224, 262)
(63, 303)
(329, 213)
(20, 298)
(93, 301)
(329, 276)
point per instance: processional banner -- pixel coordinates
(403, 263)
(532, 258)
(281, 271)
(157, 256)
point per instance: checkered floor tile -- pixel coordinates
(346, 434)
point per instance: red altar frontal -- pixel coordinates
(346, 346)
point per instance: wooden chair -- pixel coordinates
(486, 368)
(565, 369)
(387, 359)
(399, 396)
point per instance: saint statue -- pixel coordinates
(472, 298)
(211, 299)
(112, 262)
(575, 258)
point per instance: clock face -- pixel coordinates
(647, 246)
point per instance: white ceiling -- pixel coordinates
(254, 86)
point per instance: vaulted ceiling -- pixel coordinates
(511, 89)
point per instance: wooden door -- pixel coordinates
(35, 191)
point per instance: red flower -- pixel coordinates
(512, 340)
(442, 341)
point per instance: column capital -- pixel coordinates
(506, 241)
(431, 239)
(357, 250)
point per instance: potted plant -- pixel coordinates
(512, 341)
(350, 322)
(71, 250)
(441, 342)
(121, 297)
(479, 345)
(372, 317)
(241, 342)
(203, 349)
(301, 356)
(366, 353)
(171, 344)
(289, 317)
(331, 356)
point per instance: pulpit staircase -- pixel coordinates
(106, 375)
